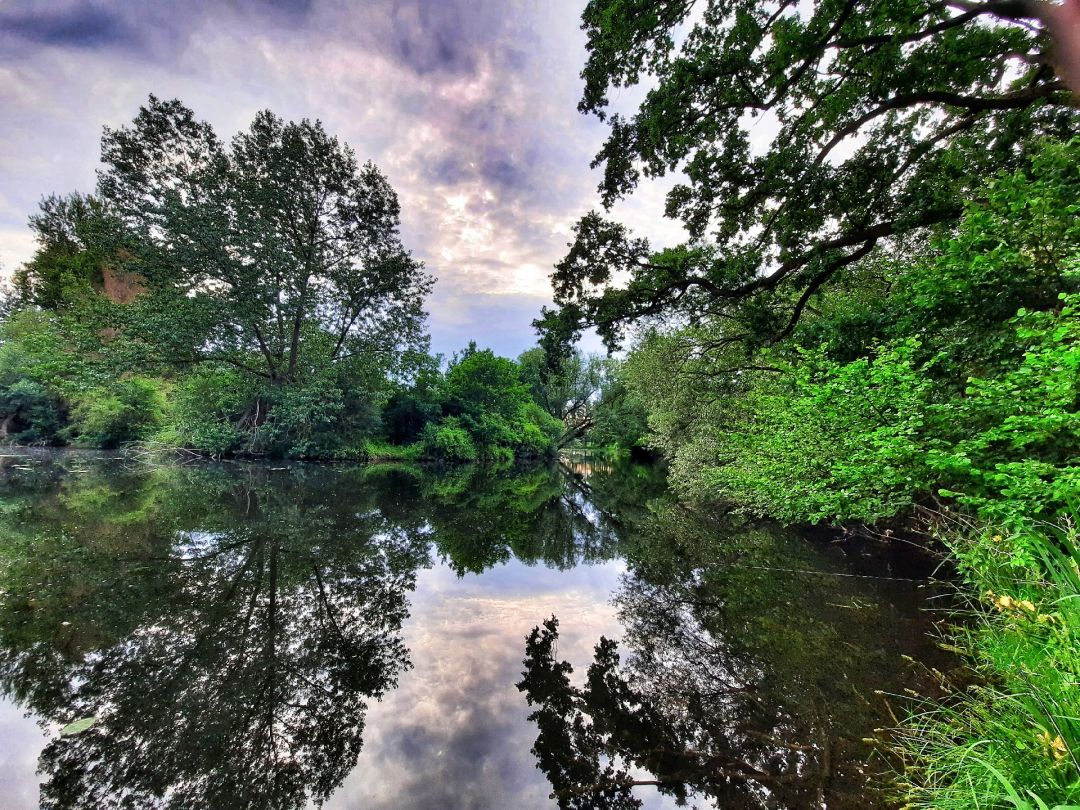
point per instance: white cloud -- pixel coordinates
(455, 732)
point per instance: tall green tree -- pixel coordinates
(568, 389)
(277, 253)
(802, 136)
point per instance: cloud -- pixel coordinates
(23, 740)
(79, 27)
(467, 105)
(455, 733)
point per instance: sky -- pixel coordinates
(468, 106)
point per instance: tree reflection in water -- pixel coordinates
(482, 518)
(244, 678)
(227, 626)
(748, 681)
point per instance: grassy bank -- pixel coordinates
(1008, 734)
(376, 451)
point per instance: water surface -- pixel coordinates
(251, 635)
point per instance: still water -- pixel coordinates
(259, 636)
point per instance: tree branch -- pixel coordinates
(816, 283)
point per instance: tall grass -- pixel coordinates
(1008, 736)
(374, 450)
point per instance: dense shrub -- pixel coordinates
(949, 383)
(449, 441)
(537, 430)
(30, 414)
(206, 408)
(124, 412)
(407, 414)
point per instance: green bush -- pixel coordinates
(303, 420)
(206, 407)
(125, 412)
(862, 440)
(30, 414)
(826, 441)
(537, 430)
(498, 455)
(449, 441)
(1014, 437)
(406, 415)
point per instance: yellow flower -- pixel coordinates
(1004, 602)
(1058, 748)
(1027, 605)
(1055, 746)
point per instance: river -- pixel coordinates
(242, 635)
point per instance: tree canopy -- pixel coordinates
(251, 296)
(279, 245)
(948, 372)
(802, 137)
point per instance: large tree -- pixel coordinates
(277, 253)
(803, 137)
(569, 389)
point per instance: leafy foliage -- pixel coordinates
(262, 283)
(283, 250)
(450, 441)
(487, 412)
(802, 137)
(124, 412)
(902, 386)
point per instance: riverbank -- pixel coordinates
(369, 451)
(1008, 733)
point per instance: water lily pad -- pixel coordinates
(78, 727)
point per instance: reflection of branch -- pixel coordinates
(826, 751)
(579, 483)
(741, 771)
(326, 604)
(270, 654)
(256, 586)
(771, 740)
(217, 552)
